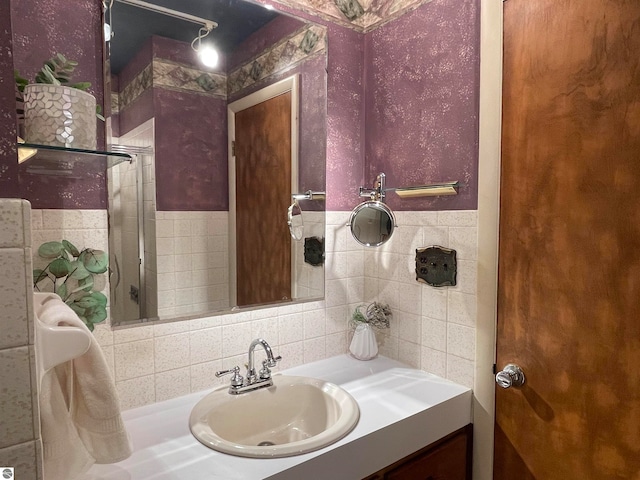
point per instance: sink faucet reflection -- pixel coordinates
(253, 380)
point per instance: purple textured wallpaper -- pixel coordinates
(135, 114)
(190, 133)
(345, 117)
(313, 127)
(273, 31)
(191, 151)
(9, 187)
(42, 28)
(191, 141)
(421, 102)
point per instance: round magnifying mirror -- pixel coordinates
(294, 220)
(372, 223)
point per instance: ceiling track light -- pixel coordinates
(206, 53)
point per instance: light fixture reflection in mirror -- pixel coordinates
(372, 223)
(206, 53)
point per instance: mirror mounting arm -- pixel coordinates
(377, 193)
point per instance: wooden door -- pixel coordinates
(569, 257)
(263, 194)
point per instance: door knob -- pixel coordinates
(510, 376)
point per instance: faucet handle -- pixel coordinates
(236, 378)
(265, 373)
(234, 370)
(273, 361)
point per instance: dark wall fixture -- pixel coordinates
(436, 266)
(314, 251)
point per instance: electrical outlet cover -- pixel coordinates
(436, 266)
(314, 251)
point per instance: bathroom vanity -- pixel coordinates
(448, 458)
(410, 421)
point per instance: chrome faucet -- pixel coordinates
(265, 373)
(252, 380)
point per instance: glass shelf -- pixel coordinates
(53, 160)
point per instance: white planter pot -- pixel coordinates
(59, 116)
(364, 345)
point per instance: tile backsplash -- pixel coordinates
(432, 328)
(435, 326)
(192, 273)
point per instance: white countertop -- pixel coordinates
(401, 410)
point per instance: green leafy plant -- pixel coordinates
(71, 272)
(376, 314)
(55, 71)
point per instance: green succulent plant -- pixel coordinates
(71, 272)
(55, 71)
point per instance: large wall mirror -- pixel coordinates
(198, 222)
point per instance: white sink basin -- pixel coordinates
(294, 416)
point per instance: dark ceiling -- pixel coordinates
(132, 25)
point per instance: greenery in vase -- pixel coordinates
(376, 314)
(55, 71)
(71, 272)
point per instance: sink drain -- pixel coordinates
(266, 444)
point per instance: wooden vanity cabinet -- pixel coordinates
(447, 459)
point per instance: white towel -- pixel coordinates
(79, 409)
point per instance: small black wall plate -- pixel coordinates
(436, 266)
(314, 251)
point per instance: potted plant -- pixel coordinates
(71, 274)
(363, 344)
(56, 111)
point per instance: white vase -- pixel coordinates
(364, 345)
(59, 116)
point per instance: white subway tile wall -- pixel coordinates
(432, 328)
(190, 279)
